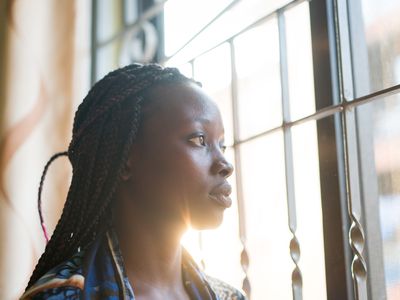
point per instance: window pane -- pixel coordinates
(131, 11)
(213, 70)
(109, 19)
(241, 15)
(191, 15)
(380, 149)
(259, 86)
(268, 235)
(376, 43)
(308, 206)
(300, 67)
(108, 58)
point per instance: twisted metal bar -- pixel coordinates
(244, 261)
(356, 231)
(294, 246)
(357, 241)
(297, 278)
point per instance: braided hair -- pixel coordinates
(105, 127)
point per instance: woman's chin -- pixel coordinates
(209, 222)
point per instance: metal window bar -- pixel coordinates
(362, 205)
(244, 257)
(330, 146)
(368, 180)
(356, 232)
(294, 246)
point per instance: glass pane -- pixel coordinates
(309, 213)
(380, 148)
(191, 15)
(213, 70)
(300, 65)
(109, 19)
(268, 235)
(108, 58)
(241, 15)
(131, 11)
(259, 86)
(377, 43)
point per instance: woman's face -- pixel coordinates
(177, 169)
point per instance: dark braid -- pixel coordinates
(105, 127)
(46, 167)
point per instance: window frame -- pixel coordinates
(343, 167)
(147, 10)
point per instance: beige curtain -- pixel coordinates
(39, 50)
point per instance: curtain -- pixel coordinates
(42, 61)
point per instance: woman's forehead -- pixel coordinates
(184, 102)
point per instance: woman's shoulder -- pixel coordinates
(223, 290)
(64, 281)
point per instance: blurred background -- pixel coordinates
(310, 96)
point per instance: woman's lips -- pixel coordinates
(222, 200)
(220, 195)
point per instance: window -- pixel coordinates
(124, 31)
(309, 92)
(261, 77)
(375, 54)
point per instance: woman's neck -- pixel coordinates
(152, 256)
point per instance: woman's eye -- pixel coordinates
(223, 148)
(198, 140)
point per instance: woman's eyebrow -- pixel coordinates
(203, 120)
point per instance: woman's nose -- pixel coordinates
(223, 167)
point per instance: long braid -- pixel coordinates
(39, 203)
(105, 127)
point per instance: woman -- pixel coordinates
(147, 157)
